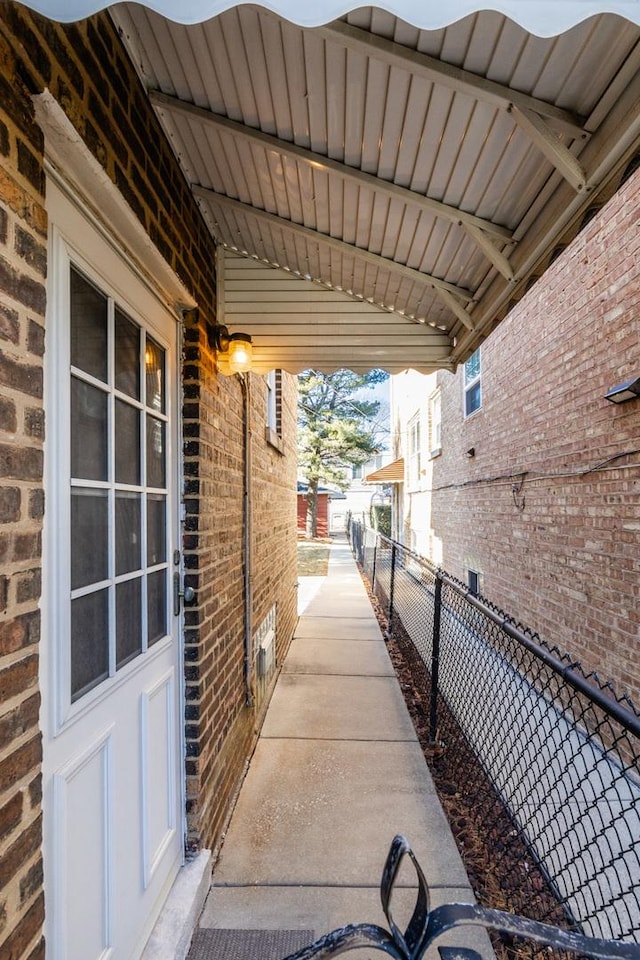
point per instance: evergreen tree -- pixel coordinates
(336, 429)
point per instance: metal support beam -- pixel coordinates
(446, 74)
(475, 226)
(498, 258)
(382, 263)
(553, 148)
(456, 308)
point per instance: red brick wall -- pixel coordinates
(274, 506)
(23, 239)
(562, 553)
(87, 71)
(220, 728)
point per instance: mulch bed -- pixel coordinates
(501, 870)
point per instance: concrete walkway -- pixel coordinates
(337, 772)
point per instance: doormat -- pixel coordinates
(209, 944)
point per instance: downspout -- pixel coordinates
(247, 529)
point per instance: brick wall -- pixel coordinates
(220, 728)
(87, 71)
(23, 238)
(274, 513)
(561, 552)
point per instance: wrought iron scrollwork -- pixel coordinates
(426, 926)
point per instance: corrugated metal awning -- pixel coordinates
(392, 473)
(428, 163)
(539, 16)
(429, 174)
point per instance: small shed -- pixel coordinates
(325, 494)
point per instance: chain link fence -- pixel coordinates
(545, 756)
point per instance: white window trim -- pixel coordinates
(66, 151)
(414, 452)
(435, 449)
(467, 385)
(56, 544)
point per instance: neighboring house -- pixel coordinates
(347, 199)
(521, 477)
(385, 489)
(360, 494)
(416, 418)
(334, 507)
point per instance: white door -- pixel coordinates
(110, 672)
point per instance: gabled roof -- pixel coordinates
(430, 171)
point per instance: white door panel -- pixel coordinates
(83, 844)
(111, 664)
(158, 752)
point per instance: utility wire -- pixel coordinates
(532, 475)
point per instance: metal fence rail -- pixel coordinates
(547, 757)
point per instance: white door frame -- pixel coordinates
(168, 291)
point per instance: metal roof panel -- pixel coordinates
(460, 129)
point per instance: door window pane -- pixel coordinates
(88, 431)
(127, 452)
(116, 532)
(89, 537)
(89, 642)
(88, 327)
(156, 530)
(128, 532)
(155, 453)
(128, 620)
(127, 355)
(154, 364)
(157, 606)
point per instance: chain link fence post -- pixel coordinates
(435, 659)
(373, 571)
(392, 578)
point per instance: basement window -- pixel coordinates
(473, 581)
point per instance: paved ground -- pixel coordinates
(337, 772)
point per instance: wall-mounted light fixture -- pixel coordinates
(236, 347)
(629, 390)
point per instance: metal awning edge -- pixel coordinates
(545, 18)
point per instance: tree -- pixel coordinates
(336, 429)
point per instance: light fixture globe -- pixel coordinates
(240, 353)
(235, 349)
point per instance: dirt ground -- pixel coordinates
(313, 558)
(500, 868)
